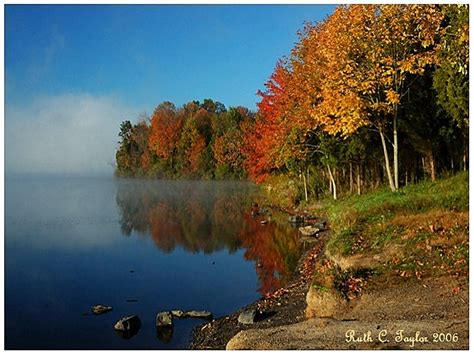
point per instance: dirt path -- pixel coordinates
(393, 312)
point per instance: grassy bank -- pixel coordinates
(420, 231)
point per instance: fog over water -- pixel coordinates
(66, 134)
(71, 243)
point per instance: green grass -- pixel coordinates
(321, 288)
(366, 215)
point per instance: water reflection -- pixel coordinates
(165, 334)
(208, 217)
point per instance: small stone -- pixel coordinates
(177, 313)
(320, 226)
(128, 323)
(100, 309)
(164, 319)
(247, 317)
(295, 219)
(199, 314)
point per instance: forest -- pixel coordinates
(374, 95)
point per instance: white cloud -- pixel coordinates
(72, 134)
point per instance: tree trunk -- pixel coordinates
(387, 161)
(432, 170)
(395, 148)
(305, 187)
(423, 166)
(330, 183)
(464, 156)
(351, 180)
(331, 177)
(358, 179)
(431, 165)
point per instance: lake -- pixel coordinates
(139, 246)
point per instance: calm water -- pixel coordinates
(72, 243)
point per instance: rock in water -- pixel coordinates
(100, 309)
(199, 314)
(247, 317)
(128, 324)
(177, 313)
(164, 319)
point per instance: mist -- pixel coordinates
(66, 134)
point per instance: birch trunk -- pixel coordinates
(331, 177)
(387, 161)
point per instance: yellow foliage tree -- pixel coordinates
(354, 68)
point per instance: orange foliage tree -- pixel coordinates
(270, 142)
(358, 64)
(166, 125)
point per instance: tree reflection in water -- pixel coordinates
(201, 216)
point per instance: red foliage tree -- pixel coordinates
(166, 125)
(264, 139)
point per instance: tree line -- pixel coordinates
(372, 95)
(197, 140)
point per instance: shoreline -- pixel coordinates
(298, 316)
(283, 306)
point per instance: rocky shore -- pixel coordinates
(284, 306)
(366, 310)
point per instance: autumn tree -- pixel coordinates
(368, 54)
(269, 142)
(132, 157)
(166, 126)
(228, 142)
(140, 137)
(122, 156)
(193, 146)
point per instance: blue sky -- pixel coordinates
(135, 57)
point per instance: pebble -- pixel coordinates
(164, 319)
(100, 309)
(128, 323)
(177, 313)
(247, 317)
